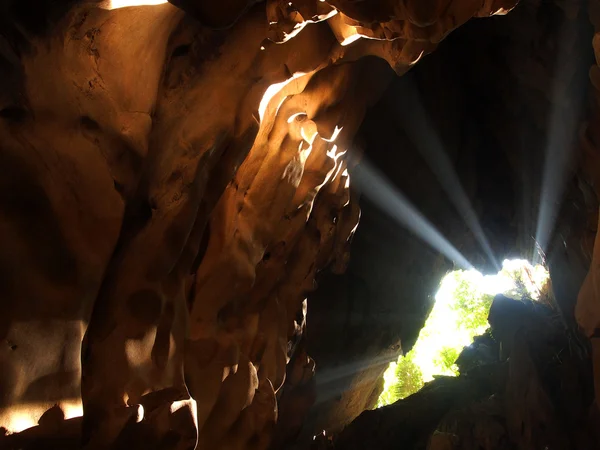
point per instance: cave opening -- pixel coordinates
(234, 215)
(458, 322)
(454, 161)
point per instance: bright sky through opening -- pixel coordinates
(443, 328)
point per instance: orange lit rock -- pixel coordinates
(185, 177)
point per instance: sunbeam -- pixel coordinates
(421, 132)
(379, 190)
(330, 381)
(563, 128)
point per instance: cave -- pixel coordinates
(234, 215)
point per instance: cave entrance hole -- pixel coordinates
(460, 312)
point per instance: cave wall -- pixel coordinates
(174, 177)
(187, 170)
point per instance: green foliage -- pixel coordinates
(459, 314)
(408, 380)
(473, 306)
(446, 359)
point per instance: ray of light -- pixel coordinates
(331, 381)
(380, 191)
(358, 365)
(568, 96)
(421, 132)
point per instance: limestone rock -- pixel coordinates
(174, 177)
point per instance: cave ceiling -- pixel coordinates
(191, 255)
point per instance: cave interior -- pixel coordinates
(234, 215)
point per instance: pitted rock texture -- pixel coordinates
(172, 181)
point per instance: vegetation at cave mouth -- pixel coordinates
(460, 313)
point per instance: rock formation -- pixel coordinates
(175, 177)
(538, 398)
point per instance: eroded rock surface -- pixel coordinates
(174, 177)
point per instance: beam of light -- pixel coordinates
(423, 135)
(378, 190)
(331, 375)
(562, 131)
(330, 381)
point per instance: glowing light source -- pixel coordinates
(115, 4)
(444, 321)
